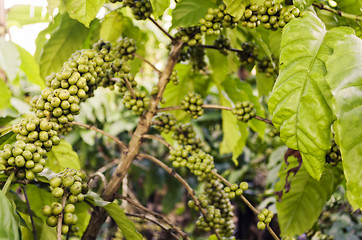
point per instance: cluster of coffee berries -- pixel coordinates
(222, 43)
(268, 66)
(26, 157)
(244, 111)
(184, 134)
(265, 217)
(190, 35)
(74, 83)
(125, 49)
(199, 163)
(236, 190)
(141, 9)
(333, 155)
(215, 20)
(273, 132)
(192, 104)
(174, 78)
(248, 54)
(121, 83)
(70, 185)
(165, 122)
(219, 210)
(270, 15)
(139, 103)
(250, 17)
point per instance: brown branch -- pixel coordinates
(157, 138)
(156, 215)
(91, 127)
(148, 62)
(99, 214)
(162, 29)
(182, 181)
(216, 48)
(145, 217)
(30, 213)
(214, 106)
(339, 13)
(246, 201)
(128, 85)
(60, 218)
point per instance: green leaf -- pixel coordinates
(300, 208)
(41, 39)
(20, 15)
(127, 226)
(264, 83)
(236, 8)
(345, 78)
(83, 10)
(62, 157)
(30, 67)
(44, 231)
(5, 94)
(239, 91)
(302, 4)
(159, 6)
(65, 40)
(189, 12)
(52, 5)
(9, 226)
(301, 98)
(9, 59)
(235, 133)
(350, 6)
(112, 26)
(4, 139)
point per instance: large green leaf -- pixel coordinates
(9, 226)
(300, 208)
(112, 26)
(159, 6)
(127, 226)
(189, 12)
(62, 157)
(5, 95)
(236, 8)
(9, 59)
(301, 98)
(66, 39)
(239, 91)
(235, 133)
(83, 10)
(41, 39)
(345, 78)
(43, 230)
(30, 67)
(26, 14)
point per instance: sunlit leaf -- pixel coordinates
(345, 78)
(159, 6)
(301, 98)
(62, 157)
(83, 10)
(9, 59)
(9, 226)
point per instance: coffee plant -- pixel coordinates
(208, 119)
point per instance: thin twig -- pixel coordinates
(91, 127)
(181, 180)
(246, 201)
(214, 106)
(162, 29)
(168, 108)
(145, 217)
(339, 13)
(101, 176)
(60, 218)
(216, 48)
(148, 62)
(264, 120)
(128, 85)
(30, 213)
(156, 215)
(157, 138)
